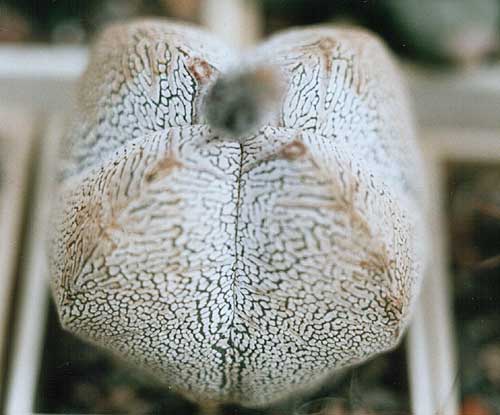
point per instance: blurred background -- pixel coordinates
(453, 32)
(449, 51)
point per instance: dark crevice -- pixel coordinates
(236, 251)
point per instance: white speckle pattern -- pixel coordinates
(239, 271)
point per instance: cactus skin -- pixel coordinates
(239, 269)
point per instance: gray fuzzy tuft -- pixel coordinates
(240, 103)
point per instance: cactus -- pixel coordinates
(239, 266)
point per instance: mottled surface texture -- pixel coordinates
(239, 270)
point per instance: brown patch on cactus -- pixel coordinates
(394, 308)
(343, 200)
(200, 69)
(293, 150)
(165, 165)
(326, 45)
(163, 169)
(106, 233)
(378, 260)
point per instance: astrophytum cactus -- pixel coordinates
(239, 226)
